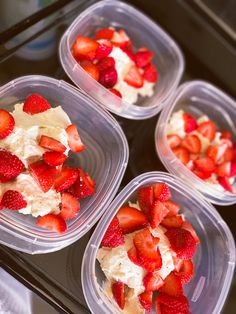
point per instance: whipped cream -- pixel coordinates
(176, 124)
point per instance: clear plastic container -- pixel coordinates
(168, 57)
(197, 98)
(105, 158)
(214, 259)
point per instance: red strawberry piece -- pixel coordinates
(225, 183)
(151, 265)
(10, 166)
(207, 129)
(7, 123)
(233, 169)
(205, 164)
(118, 291)
(52, 222)
(157, 306)
(145, 300)
(178, 303)
(106, 63)
(133, 256)
(172, 222)
(158, 212)
(84, 186)
(202, 175)
(173, 208)
(65, 179)
(190, 123)
(181, 242)
(172, 285)
(192, 143)
(90, 180)
(187, 226)
(216, 153)
(43, 174)
(54, 158)
(224, 169)
(35, 104)
(152, 282)
(104, 33)
(90, 68)
(129, 53)
(104, 49)
(182, 154)
(150, 73)
(143, 58)
(52, 144)
(116, 92)
(161, 191)
(13, 200)
(133, 77)
(146, 245)
(227, 156)
(178, 262)
(186, 271)
(108, 77)
(131, 219)
(234, 152)
(74, 139)
(226, 135)
(84, 48)
(121, 39)
(145, 198)
(70, 206)
(173, 140)
(113, 237)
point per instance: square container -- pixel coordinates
(197, 98)
(105, 158)
(143, 32)
(214, 259)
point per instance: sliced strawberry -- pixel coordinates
(150, 73)
(108, 77)
(35, 104)
(145, 198)
(187, 226)
(224, 169)
(234, 151)
(146, 245)
(181, 242)
(70, 206)
(43, 174)
(104, 49)
(84, 48)
(173, 208)
(172, 285)
(178, 262)
(152, 282)
(207, 129)
(186, 271)
(158, 212)
(202, 175)
(224, 181)
(233, 169)
(90, 180)
(178, 304)
(172, 222)
(216, 152)
(182, 154)
(173, 140)
(116, 92)
(90, 68)
(10, 166)
(151, 265)
(113, 237)
(133, 256)
(52, 222)
(145, 300)
(190, 123)
(129, 53)
(65, 179)
(74, 139)
(131, 219)
(205, 164)
(161, 192)
(121, 39)
(192, 143)
(7, 123)
(143, 58)
(104, 33)
(118, 291)
(133, 77)
(226, 135)
(227, 156)
(52, 144)
(106, 63)
(54, 158)
(157, 306)
(83, 186)
(13, 200)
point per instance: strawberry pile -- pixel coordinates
(217, 163)
(94, 57)
(156, 210)
(50, 171)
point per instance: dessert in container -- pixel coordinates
(197, 98)
(167, 56)
(214, 259)
(106, 166)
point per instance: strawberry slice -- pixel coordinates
(35, 104)
(108, 77)
(133, 256)
(121, 39)
(150, 73)
(65, 179)
(224, 181)
(145, 300)
(226, 135)
(152, 282)
(146, 245)
(43, 174)
(202, 175)
(205, 164)
(104, 33)
(173, 208)
(54, 158)
(133, 77)
(178, 262)
(118, 290)
(234, 151)
(84, 185)
(52, 222)
(129, 53)
(104, 49)
(113, 237)
(207, 129)
(227, 156)
(158, 212)
(233, 169)
(173, 304)
(216, 152)
(106, 63)
(190, 123)
(161, 192)
(182, 154)
(151, 265)
(173, 140)
(91, 69)
(74, 139)
(70, 206)
(145, 198)
(84, 48)
(172, 222)
(187, 226)
(52, 144)
(116, 92)
(7, 123)
(192, 143)
(186, 271)
(131, 219)
(224, 169)
(143, 57)
(172, 285)
(13, 200)
(10, 166)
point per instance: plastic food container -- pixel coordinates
(105, 158)
(214, 259)
(197, 98)
(168, 57)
